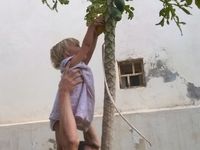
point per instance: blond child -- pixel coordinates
(69, 53)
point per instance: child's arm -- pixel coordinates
(90, 53)
(100, 27)
(85, 48)
(89, 43)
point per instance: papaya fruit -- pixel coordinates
(116, 14)
(120, 4)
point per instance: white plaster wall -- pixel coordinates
(141, 38)
(169, 129)
(29, 29)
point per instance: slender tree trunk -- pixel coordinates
(109, 64)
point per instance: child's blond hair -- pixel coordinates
(59, 51)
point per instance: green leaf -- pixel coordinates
(197, 2)
(64, 2)
(43, 1)
(98, 7)
(55, 6)
(189, 2)
(173, 12)
(186, 11)
(129, 10)
(183, 23)
(168, 22)
(162, 12)
(161, 22)
(167, 12)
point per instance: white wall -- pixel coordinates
(169, 129)
(28, 83)
(28, 30)
(167, 56)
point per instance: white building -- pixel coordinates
(163, 104)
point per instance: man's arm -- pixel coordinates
(67, 125)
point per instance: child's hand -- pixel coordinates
(99, 24)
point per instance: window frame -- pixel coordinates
(142, 73)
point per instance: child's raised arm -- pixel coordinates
(88, 45)
(100, 27)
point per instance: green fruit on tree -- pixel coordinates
(120, 4)
(116, 14)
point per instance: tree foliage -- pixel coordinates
(97, 8)
(168, 12)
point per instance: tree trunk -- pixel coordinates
(109, 64)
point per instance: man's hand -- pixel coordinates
(70, 78)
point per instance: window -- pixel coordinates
(131, 73)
